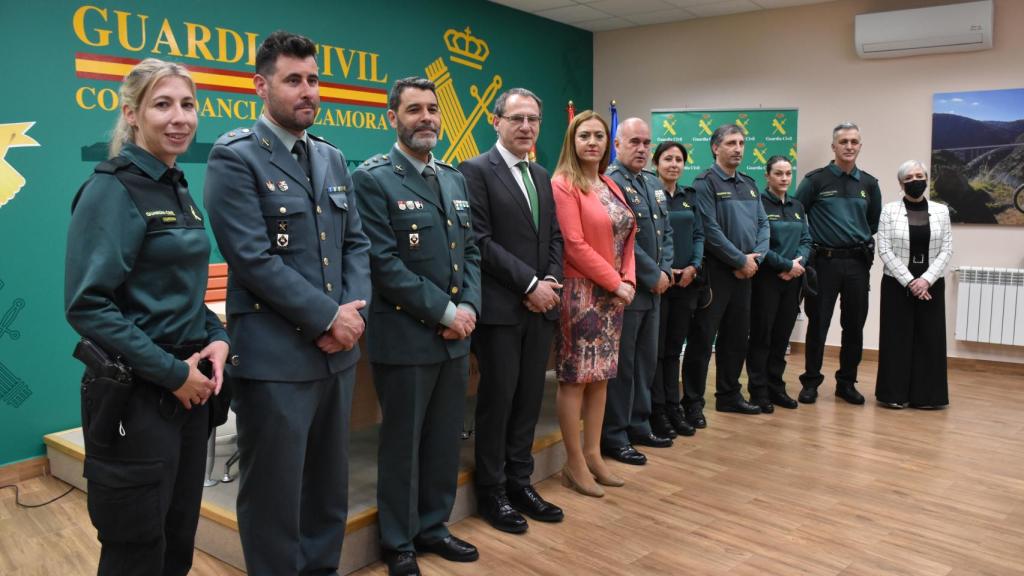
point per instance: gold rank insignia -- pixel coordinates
(265, 142)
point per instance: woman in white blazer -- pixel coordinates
(914, 243)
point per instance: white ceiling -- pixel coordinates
(598, 15)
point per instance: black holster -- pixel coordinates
(106, 389)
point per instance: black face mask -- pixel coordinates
(915, 188)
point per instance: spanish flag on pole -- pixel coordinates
(614, 128)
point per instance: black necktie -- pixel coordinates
(302, 157)
(431, 178)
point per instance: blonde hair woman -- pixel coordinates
(136, 269)
(598, 229)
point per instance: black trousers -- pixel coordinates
(418, 455)
(293, 457)
(627, 409)
(774, 304)
(845, 279)
(912, 346)
(728, 317)
(513, 363)
(146, 487)
(677, 309)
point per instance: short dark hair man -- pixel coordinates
(280, 205)
(736, 236)
(425, 267)
(521, 265)
(843, 205)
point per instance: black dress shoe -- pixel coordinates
(651, 440)
(782, 400)
(740, 406)
(451, 548)
(849, 393)
(661, 425)
(764, 404)
(625, 454)
(494, 507)
(527, 501)
(808, 395)
(401, 563)
(696, 419)
(682, 427)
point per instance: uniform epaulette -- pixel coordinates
(747, 176)
(815, 171)
(703, 175)
(650, 172)
(689, 189)
(319, 139)
(375, 161)
(612, 169)
(235, 135)
(112, 165)
(445, 164)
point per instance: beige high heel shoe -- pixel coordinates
(569, 482)
(609, 480)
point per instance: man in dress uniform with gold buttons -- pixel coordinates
(281, 206)
(425, 267)
(628, 408)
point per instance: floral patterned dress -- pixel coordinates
(591, 320)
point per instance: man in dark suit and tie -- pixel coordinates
(280, 203)
(425, 267)
(521, 264)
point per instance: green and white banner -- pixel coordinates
(768, 132)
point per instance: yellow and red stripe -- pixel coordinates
(114, 68)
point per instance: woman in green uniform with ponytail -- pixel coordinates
(775, 293)
(135, 278)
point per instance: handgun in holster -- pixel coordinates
(869, 252)
(106, 388)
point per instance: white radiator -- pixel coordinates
(990, 305)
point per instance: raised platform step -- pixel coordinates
(218, 526)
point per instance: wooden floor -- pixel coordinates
(829, 489)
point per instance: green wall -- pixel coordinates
(53, 127)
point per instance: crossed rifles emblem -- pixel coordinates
(457, 128)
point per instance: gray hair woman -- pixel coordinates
(914, 243)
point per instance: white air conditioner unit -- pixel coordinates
(935, 30)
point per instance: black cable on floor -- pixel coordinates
(17, 497)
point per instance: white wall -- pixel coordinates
(803, 57)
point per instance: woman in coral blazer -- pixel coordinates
(598, 230)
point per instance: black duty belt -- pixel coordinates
(829, 252)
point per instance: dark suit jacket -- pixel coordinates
(422, 257)
(295, 251)
(512, 250)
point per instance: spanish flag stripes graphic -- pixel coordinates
(114, 68)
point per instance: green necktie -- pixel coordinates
(530, 191)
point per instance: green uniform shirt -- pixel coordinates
(789, 237)
(843, 209)
(687, 230)
(135, 275)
